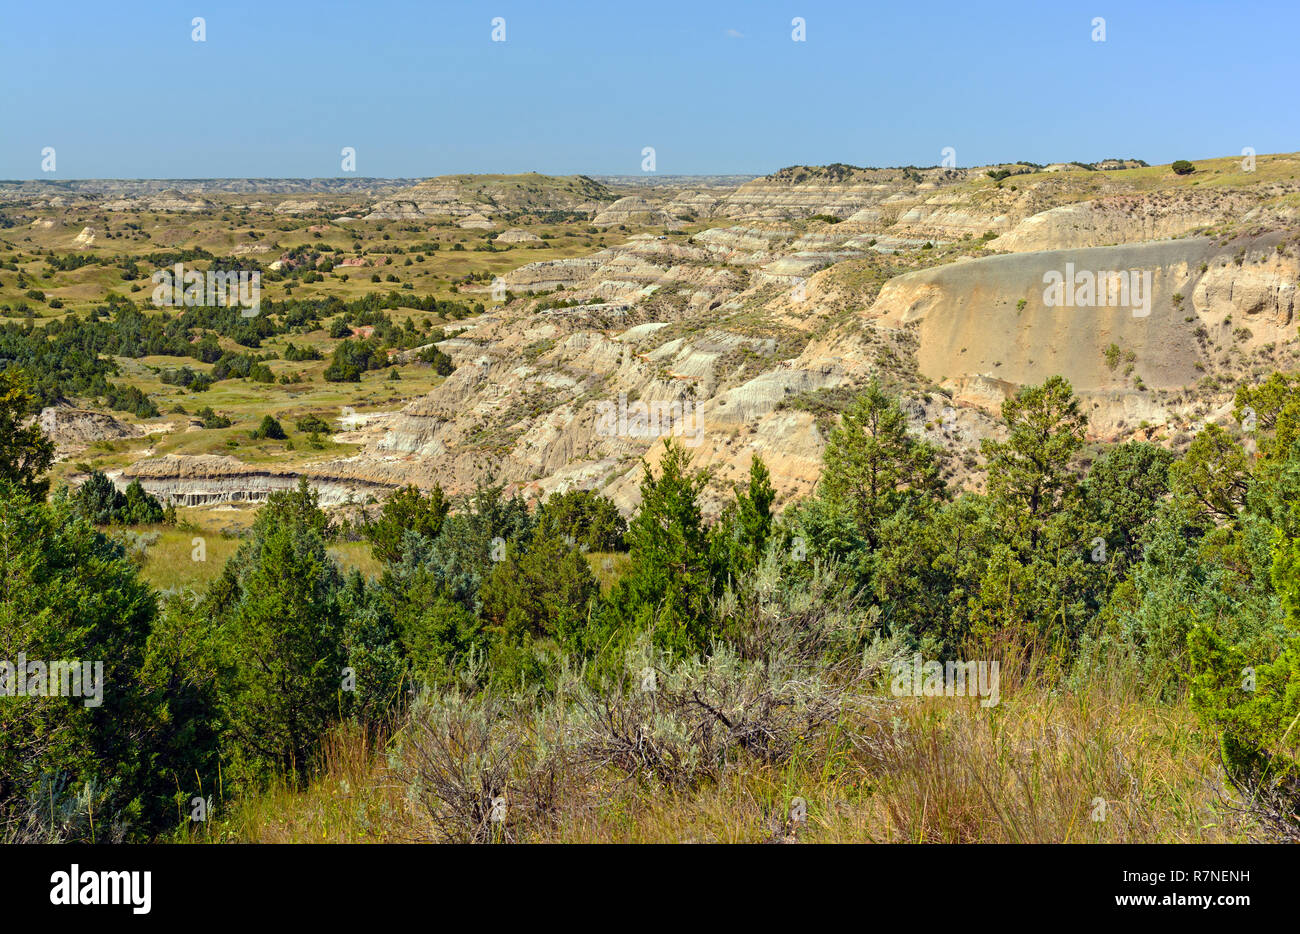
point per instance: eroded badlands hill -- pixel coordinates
(791, 292)
(490, 195)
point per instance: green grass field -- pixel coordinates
(191, 558)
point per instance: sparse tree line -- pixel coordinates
(1181, 573)
(72, 357)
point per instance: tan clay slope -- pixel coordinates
(971, 325)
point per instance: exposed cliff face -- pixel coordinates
(972, 324)
(548, 399)
(1261, 289)
(626, 273)
(207, 479)
(515, 235)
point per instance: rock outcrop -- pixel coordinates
(209, 479)
(73, 430)
(493, 196)
(516, 235)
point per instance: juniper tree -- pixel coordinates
(874, 466)
(26, 453)
(1029, 474)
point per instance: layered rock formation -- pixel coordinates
(1153, 294)
(492, 196)
(208, 479)
(634, 210)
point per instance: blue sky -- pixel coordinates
(419, 88)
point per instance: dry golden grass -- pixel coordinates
(350, 800)
(923, 770)
(356, 556)
(608, 567)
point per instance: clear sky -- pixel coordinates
(418, 87)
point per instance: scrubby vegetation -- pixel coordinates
(485, 686)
